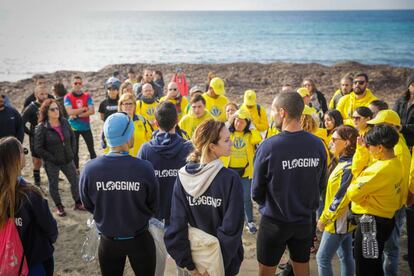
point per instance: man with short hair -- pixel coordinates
(346, 88)
(196, 116)
(215, 99)
(10, 121)
(287, 88)
(31, 115)
(376, 106)
(146, 104)
(167, 151)
(39, 80)
(288, 171)
(257, 112)
(361, 96)
(173, 95)
(79, 106)
(147, 77)
(132, 76)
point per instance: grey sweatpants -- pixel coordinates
(69, 170)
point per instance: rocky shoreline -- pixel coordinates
(386, 81)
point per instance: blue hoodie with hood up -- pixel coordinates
(167, 152)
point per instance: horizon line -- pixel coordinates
(238, 10)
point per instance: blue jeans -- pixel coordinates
(342, 245)
(392, 246)
(248, 206)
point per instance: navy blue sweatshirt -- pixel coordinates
(218, 211)
(11, 123)
(289, 171)
(36, 226)
(121, 193)
(167, 153)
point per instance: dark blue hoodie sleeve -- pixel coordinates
(230, 232)
(152, 189)
(142, 152)
(84, 191)
(176, 235)
(43, 217)
(260, 172)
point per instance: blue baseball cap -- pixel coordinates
(118, 129)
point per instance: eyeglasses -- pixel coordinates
(54, 109)
(359, 82)
(172, 89)
(77, 83)
(334, 139)
(356, 118)
(127, 104)
(25, 151)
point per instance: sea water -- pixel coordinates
(72, 40)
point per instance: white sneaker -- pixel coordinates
(251, 227)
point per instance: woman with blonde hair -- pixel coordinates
(22, 204)
(208, 197)
(142, 128)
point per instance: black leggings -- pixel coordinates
(366, 267)
(140, 251)
(410, 237)
(88, 137)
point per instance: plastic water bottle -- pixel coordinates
(91, 244)
(369, 237)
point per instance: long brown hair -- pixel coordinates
(44, 109)
(205, 134)
(350, 134)
(11, 193)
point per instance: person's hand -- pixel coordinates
(252, 126)
(360, 141)
(206, 273)
(195, 273)
(321, 226)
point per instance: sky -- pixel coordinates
(48, 5)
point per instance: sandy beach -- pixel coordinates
(387, 82)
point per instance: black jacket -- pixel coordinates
(31, 115)
(11, 123)
(49, 146)
(322, 101)
(407, 119)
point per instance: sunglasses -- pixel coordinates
(172, 89)
(356, 118)
(334, 139)
(54, 109)
(77, 83)
(361, 82)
